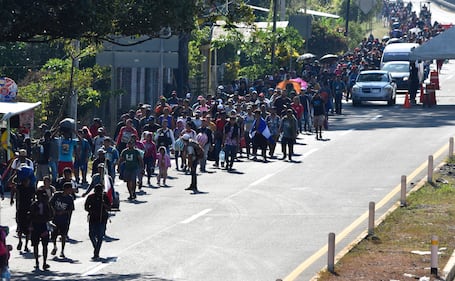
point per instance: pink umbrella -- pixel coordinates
(303, 83)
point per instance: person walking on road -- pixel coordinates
(231, 139)
(133, 165)
(40, 214)
(338, 88)
(97, 205)
(163, 161)
(24, 193)
(62, 204)
(319, 112)
(191, 157)
(149, 155)
(288, 130)
(259, 134)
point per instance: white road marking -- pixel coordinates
(299, 188)
(264, 178)
(310, 152)
(99, 267)
(448, 77)
(196, 216)
(376, 117)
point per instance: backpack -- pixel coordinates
(198, 150)
(164, 139)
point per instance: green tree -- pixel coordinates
(19, 59)
(51, 86)
(42, 20)
(256, 53)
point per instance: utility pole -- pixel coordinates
(275, 7)
(76, 44)
(348, 7)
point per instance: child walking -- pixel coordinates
(163, 161)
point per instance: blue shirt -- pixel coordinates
(66, 149)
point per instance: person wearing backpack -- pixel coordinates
(193, 153)
(165, 137)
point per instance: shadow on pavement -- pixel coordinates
(50, 275)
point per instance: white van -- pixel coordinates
(397, 52)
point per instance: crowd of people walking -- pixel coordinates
(239, 120)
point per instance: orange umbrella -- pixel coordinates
(287, 83)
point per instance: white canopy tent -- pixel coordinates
(440, 47)
(10, 109)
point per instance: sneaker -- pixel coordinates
(189, 188)
(26, 249)
(94, 258)
(62, 255)
(54, 251)
(46, 266)
(19, 246)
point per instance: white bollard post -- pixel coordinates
(430, 168)
(331, 253)
(371, 219)
(403, 191)
(434, 255)
(451, 147)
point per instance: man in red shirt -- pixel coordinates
(125, 135)
(220, 123)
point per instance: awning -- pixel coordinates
(440, 47)
(9, 109)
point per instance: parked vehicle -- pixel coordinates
(400, 73)
(397, 52)
(374, 85)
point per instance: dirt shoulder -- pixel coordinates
(388, 255)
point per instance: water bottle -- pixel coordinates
(222, 157)
(6, 274)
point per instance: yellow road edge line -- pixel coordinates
(338, 238)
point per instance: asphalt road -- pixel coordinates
(265, 220)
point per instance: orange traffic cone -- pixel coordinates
(407, 104)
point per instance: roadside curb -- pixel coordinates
(448, 273)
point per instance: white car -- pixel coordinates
(374, 85)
